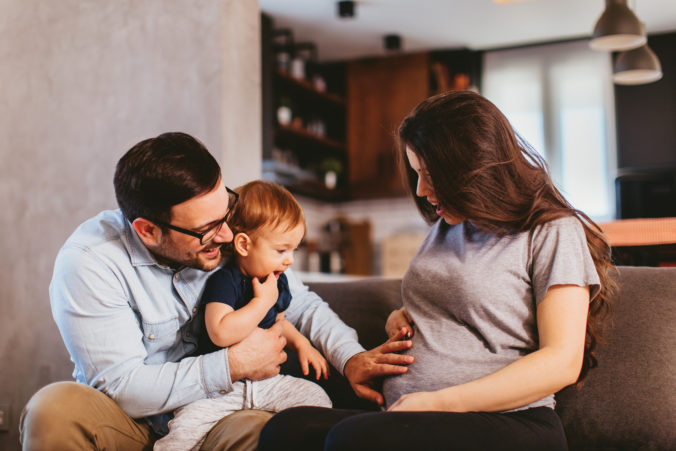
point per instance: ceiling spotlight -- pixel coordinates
(392, 42)
(636, 67)
(618, 28)
(346, 9)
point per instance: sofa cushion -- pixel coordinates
(363, 304)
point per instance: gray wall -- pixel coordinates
(81, 81)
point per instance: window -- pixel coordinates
(559, 97)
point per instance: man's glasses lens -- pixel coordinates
(232, 200)
(211, 234)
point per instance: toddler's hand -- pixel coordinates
(308, 355)
(398, 320)
(267, 289)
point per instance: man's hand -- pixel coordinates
(363, 368)
(259, 355)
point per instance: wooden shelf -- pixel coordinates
(308, 88)
(300, 134)
(316, 132)
(317, 190)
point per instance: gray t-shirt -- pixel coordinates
(473, 296)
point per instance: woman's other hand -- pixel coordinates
(397, 321)
(420, 401)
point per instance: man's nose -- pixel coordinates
(224, 235)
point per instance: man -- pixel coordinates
(124, 295)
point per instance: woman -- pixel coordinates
(505, 299)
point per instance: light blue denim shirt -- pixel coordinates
(126, 321)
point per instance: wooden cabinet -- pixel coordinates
(344, 116)
(380, 93)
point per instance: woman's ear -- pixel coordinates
(149, 232)
(241, 244)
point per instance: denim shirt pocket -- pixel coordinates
(159, 338)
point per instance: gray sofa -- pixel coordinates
(627, 403)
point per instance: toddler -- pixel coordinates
(252, 291)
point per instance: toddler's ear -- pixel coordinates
(241, 244)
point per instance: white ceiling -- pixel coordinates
(447, 24)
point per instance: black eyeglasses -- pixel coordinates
(208, 235)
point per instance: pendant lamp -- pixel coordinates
(636, 67)
(617, 29)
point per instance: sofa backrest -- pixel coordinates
(628, 402)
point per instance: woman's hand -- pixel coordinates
(364, 368)
(420, 401)
(398, 320)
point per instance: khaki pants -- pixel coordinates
(69, 415)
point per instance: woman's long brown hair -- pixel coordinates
(483, 171)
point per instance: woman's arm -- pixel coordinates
(561, 321)
(227, 327)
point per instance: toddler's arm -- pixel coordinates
(307, 354)
(227, 327)
(398, 320)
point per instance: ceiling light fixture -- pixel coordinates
(346, 9)
(617, 29)
(392, 42)
(636, 67)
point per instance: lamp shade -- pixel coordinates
(636, 67)
(617, 29)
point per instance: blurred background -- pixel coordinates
(302, 93)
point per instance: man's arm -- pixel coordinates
(91, 304)
(315, 319)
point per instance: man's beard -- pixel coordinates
(167, 254)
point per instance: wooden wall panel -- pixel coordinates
(380, 93)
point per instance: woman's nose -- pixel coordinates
(422, 189)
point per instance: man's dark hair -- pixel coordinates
(161, 172)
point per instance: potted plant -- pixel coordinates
(331, 168)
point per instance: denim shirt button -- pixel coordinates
(194, 310)
(187, 334)
(222, 392)
(151, 336)
(176, 276)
